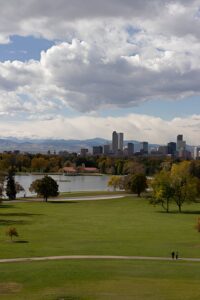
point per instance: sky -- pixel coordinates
(77, 69)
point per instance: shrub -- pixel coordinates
(198, 225)
(12, 231)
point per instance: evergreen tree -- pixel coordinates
(10, 186)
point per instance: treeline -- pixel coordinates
(51, 163)
(175, 183)
(9, 188)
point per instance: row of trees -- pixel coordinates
(54, 163)
(132, 183)
(176, 183)
(44, 187)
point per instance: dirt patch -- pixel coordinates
(195, 246)
(10, 288)
(70, 298)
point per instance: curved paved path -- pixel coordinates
(93, 257)
(88, 198)
(82, 198)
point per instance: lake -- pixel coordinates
(67, 183)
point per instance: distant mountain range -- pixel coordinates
(45, 145)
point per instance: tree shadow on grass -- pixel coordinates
(13, 222)
(7, 206)
(184, 212)
(63, 202)
(191, 212)
(18, 215)
(21, 242)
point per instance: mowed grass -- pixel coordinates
(90, 193)
(100, 280)
(126, 226)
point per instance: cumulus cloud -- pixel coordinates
(81, 76)
(52, 19)
(106, 54)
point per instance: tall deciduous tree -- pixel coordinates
(185, 185)
(163, 190)
(46, 187)
(136, 183)
(177, 185)
(115, 182)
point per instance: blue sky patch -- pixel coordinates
(24, 48)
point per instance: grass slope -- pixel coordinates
(100, 280)
(125, 226)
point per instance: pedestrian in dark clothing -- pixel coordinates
(176, 254)
(173, 254)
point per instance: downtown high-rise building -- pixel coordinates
(171, 148)
(120, 141)
(117, 142)
(114, 142)
(144, 147)
(130, 149)
(180, 144)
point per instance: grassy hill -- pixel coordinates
(126, 226)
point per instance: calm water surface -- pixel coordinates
(67, 183)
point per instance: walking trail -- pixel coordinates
(81, 198)
(93, 257)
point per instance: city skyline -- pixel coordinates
(76, 71)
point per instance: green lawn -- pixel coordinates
(92, 193)
(126, 226)
(100, 280)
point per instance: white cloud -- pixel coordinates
(110, 54)
(136, 127)
(81, 76)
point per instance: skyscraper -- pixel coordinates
(144, 147)
(130, 149)
(106, 149)
(97, 150)
(114, 142)
(120, 141)
(117, 142)
(171, 148)
(180, 145)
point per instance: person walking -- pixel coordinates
(176, 254)
(173, 254)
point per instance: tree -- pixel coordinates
(19, 188)
(10, 185)
(2, 179)
(136, 183)
(115, 182)
(39, 164)
(133, 167)
(163, 190)
(12, 231)
(185, 185)
(34, 187)
(46, 187)
(177, 185)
